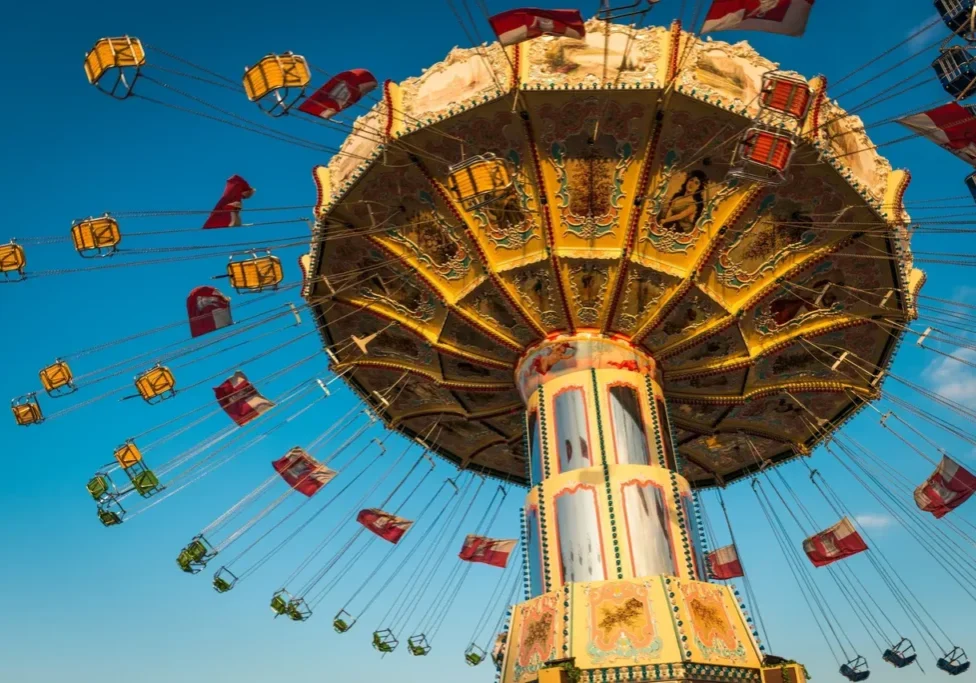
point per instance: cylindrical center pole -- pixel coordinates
(606, 501)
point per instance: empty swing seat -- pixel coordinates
(786, 95)
(13, 260)
(26, 410)
(99, 486)
(224, 580)
(957, 15)
(195, 556)
(343, 621)
(256, 274)
(277, 82)
(156, 385)
(109, 516)
(479, 180)
(279, 603)
(855, 670)
(954, 662)
(956, 71)
(125, 56)
(96, 236)
(418, 645)
(762, 156)
(384, 641)
(901, 654)
(57, 379)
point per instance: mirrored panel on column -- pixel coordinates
(535, 455)
(648, 529)
(580, 543)
(627, 426)
(573, 443)
(534, 550)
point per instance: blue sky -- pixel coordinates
(81, 602)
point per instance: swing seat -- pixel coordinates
(298, 610)
(146, 483)
(479, 180)
(384, 641)
(956, 70)
(762, 156)
(124, 55)
(26, 410)
(155, 385)
(956, 15)
(785, 95)
(901, 654)
(224, 580)
(99, 486)
(279, 603)
(277, 82)
(13, 260)
(855, 670)
(109, 517)
(57, 379)
(954, 662)
(94, 237)
(343, 621)
(474, 655)
(195, 556)
(418, 646)
(498, 651)
(256, 274)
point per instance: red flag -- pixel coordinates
(240, 399)
(227, 213)
(835, 543)
(951, 126)
(787, 17)
(525, 23)
(486, 550)
(302, 472)
(341, 92)
(723, 563)
(388, 527)
(949, 487)
(208, 310)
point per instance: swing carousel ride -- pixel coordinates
(621, 266)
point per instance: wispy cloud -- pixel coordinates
(952, 379)
(925, 33)
(871, 521)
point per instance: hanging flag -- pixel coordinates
(950, 486)
(835, 543)
(786, 17)
(227, 213)
(951, 126)
(486, 550)
(208, 310)
(388, 527)
(240, 399)
(302, 472)
(723, 563)
(517, 25)
(341, 92)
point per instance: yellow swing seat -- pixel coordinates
(124, 55)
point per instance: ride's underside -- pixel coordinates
(772, 309)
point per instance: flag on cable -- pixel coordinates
(388, 527)
(302, 472)
(516, 25)
(227, 212)
(949, 487)
(340, 92)
(787, 17)
(951, 126)
(208, 310)
(240, 400)
(486, 550)
(723, 563)
(835, 543)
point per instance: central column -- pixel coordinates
(606, 501)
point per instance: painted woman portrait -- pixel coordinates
(686, 205)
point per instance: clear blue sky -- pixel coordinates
(81, 602)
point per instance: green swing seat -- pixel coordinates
(224, 580)
(146, 483)
(195, 556)
(474, 655)
(298, 610)
(343, 621)
(109, 517)
(98, 487)
(279, 603)
(418, 646)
